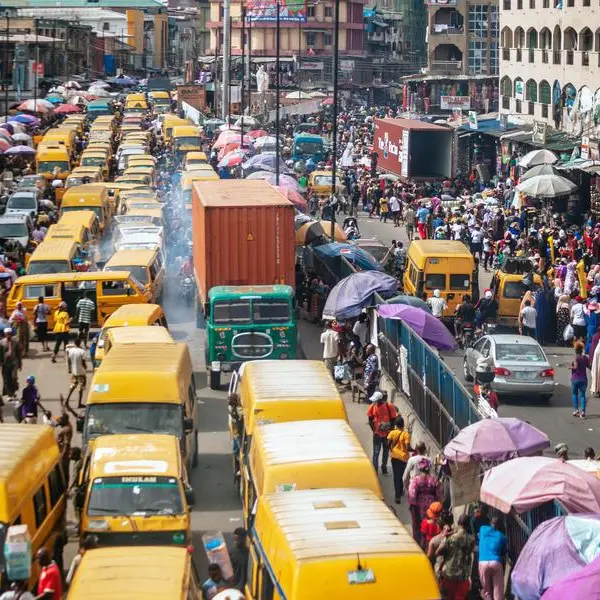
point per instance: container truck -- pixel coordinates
(413, 149)
(244, 265)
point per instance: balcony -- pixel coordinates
(445, 66)
(439, 29)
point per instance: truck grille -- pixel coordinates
(252, 345)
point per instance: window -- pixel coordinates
(56, 483)
(460, 282)
(478, 20)
(40, 507)
(546, 4)
(270, 311)
(31, 292)
(311, 38)
(329, 12)
(494, 58)
(310, 12)
(105, 26)
(327, 39)
(514, 290)
(531, 4)
(228, 312)
(478, 51)
(434, 281)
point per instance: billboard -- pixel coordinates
(266, 10)
(452, 102)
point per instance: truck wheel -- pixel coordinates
(214, 378)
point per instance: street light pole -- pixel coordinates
(35, 67)
(225, 47)
(243, 83)
(6, 66)
(277, 120)
(334, 129)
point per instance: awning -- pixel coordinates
(271, 59)
(556, 141)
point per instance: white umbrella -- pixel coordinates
(317, 95)
(265, 140)
(59, 89)
(539, 170)
(21, 137)
(100, 83)
(73, 84)
(538, 157)
(98, 91)
(75, 100)
(248, 122)
(298, 96)
(547, 186)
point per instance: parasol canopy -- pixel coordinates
(4, 145)
(524, 483)
(257, 133)
(35, 106)
(20, 150)
(538, 157)
(358, 257)
(410, 300)
(293, 196)
(327, 102)
(496, 440)
(298, 95)
(589, 466)
(265, 140)
(73, 85)
(355, 292)
(100, 92)
(547, 186)
(21, 137)
(232, 159)
(584, 583)
(264, 162)
(66, 109)
(314, 231)
(430, 328)
(557, 548)
(539, 170)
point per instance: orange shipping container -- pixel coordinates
(243, 234)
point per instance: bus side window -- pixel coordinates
(40, 505)
(252, 572)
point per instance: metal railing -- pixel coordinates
(445, 65)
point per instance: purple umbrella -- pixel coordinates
(557, 548)
(26, 119)
(496, 439)
(430, 328)
(10, 128)
(264, 162)
(20, 150)
(355, 292)
(584, 583)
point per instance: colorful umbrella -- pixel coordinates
(327, 102)
(361, 260)
(123, 81)
(98, 91)
(73, 84)
(34, 106)
(7, 136)
(584, 583)
(257, 133)
(265, 140)
(4, 145)
(294, 197)
(227, 137)
(314, 231)
(430, 328)
(67, 109)
(20, 150)
(55, 99)
(557, 547)
(524, 483)
(79, 99)
(410, 300)
(25, 119)
(495, 440)
(232, 159)
(20, 137)
(355, 292)
(285, 181)
(100, 83)
(8, 127)
(589, 466)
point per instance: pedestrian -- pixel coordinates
(384, 209)
(76, 367)
(422, 214)
(64, 436)
(18, 320)
(527, 319)
(394, 205)
(17, 591)
(399, 444)
(382, 415)
(84, 310)
(50, 578)
(457, 550)
(410, 218)
(578, 319)
(492, 554)
(589, 454)
(488, 247)
(561, 450)
(40, 314)
(361, 329)
(239, 555)
(430, 526)
(62, 325)
(423, 490)
(10, 358)
(446, 523)
(329, 339)
(30, 402)
(412, 464)
(215, 582)
(371, 371)
(477, 236)
(437, 304)
(89, 542)
(579, 368)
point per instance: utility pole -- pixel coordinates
(277, 120)
(36, 63)
(242, 84)
(226, 48)
(336, 57)
(6, 66)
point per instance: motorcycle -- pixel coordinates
(466, 338)
(186, 289)
(489, 328)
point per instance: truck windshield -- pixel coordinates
(309, 148)
(47, 267)
(231, 311)
(13, 230)
(188, 141)
(134, 417)
(135, 496)
(271, 311)
(48, 166)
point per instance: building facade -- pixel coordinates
(550, 67)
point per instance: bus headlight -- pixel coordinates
(98, 525)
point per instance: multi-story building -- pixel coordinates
(462, 58)
(550, 67)
(306, 48)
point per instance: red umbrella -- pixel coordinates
(327, 102)
(66, 109)
(293, 196)
(4, 145)
(227, 137)
(232, 159)
(256, 133)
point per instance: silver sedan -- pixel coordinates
(520, 365)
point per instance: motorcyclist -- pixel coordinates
(465, 313)
(187, 267)
(486, 309)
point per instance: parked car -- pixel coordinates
(24, 202)
(33, 182)
(521, 367)
(16, 227)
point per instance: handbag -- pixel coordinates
(568, 333)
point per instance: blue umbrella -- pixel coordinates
(410, 300)
(25, 119)
(55, 99)
(124, 80)
(355, 292)
(358, 257)
(264, 162)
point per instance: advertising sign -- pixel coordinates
(452, 102)
(266, 10)
(194, 95)
(585, 147)
(518, 90)
(538, 133)
(312, 65)
(404, 152)
(473, 120)
(388, 145)
(346, 65)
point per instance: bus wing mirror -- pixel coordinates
(188, 424)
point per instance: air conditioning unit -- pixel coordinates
(21, 53)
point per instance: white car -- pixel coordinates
(24, 202)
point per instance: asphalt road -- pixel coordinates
(554, 417)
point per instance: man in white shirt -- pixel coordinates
(477, 241)
(437, 304)
(329, 339)
(394, 204)
(527, 318)
(361, 329)
(77, 367)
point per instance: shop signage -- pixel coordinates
(346, 65)
(585, 147)
(518, 90)
(404, 152)
(312, 65)
(473, 120)
(538, 133)
(194, 95)
(452, 102)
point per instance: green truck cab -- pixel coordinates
(248, 323)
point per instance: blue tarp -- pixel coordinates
(361, 259)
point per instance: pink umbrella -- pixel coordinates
(524, 483)
(327, 102)
(257, 133)
(293, 196)
(227, 137)
(4, 145)
(33, 106)
(66, 109)
(232, 159)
